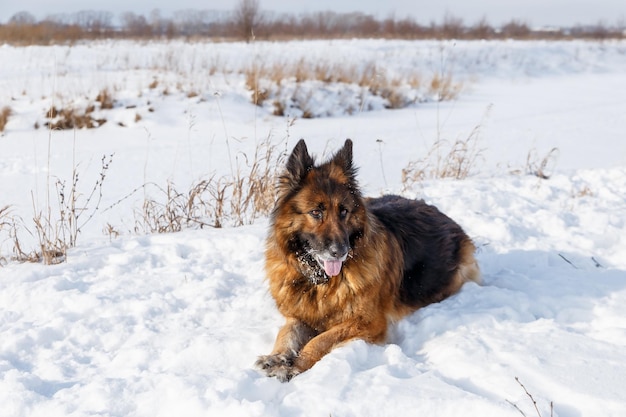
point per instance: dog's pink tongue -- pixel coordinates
(332, 268)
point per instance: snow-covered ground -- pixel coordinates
(162, 325)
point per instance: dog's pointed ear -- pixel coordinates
(343, 158)
(298, 164)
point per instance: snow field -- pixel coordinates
(163, 325)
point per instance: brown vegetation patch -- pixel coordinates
(69, 118)
(105, 99)
(5, 112)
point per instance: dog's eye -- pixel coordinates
(343, 213)
(316, 214)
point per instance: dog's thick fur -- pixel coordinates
(342, 267)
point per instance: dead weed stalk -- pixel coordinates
(57, 228)
(541, 167)
(532, 399)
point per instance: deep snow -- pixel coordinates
(171, 324)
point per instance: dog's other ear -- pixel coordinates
(298, 164)
(343, 158)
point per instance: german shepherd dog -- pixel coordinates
(343, 267)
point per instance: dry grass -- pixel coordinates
(253, 75)
(444, 88)
(542, 166)
(11, 225)
(268, 82)
(70, 118)
(5, 112)
(105, 99)
(445, 159)
(582, 192)
(457, 160)
(5, 224)
(167, 217)
(253, 188)
(5, 217)
(203, 205)
(52, 244)
(111, 231)
(234, 200)
(238, 198)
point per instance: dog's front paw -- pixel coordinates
(280, 365)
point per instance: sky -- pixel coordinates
(533, 12)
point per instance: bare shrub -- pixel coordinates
(481, 30)
(452, 27)
(247, 16)
(57, 228)
(77, 209)
(516, 29)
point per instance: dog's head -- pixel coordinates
(320, 210)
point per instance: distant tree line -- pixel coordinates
(248, 22)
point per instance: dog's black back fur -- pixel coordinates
(430, 242)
